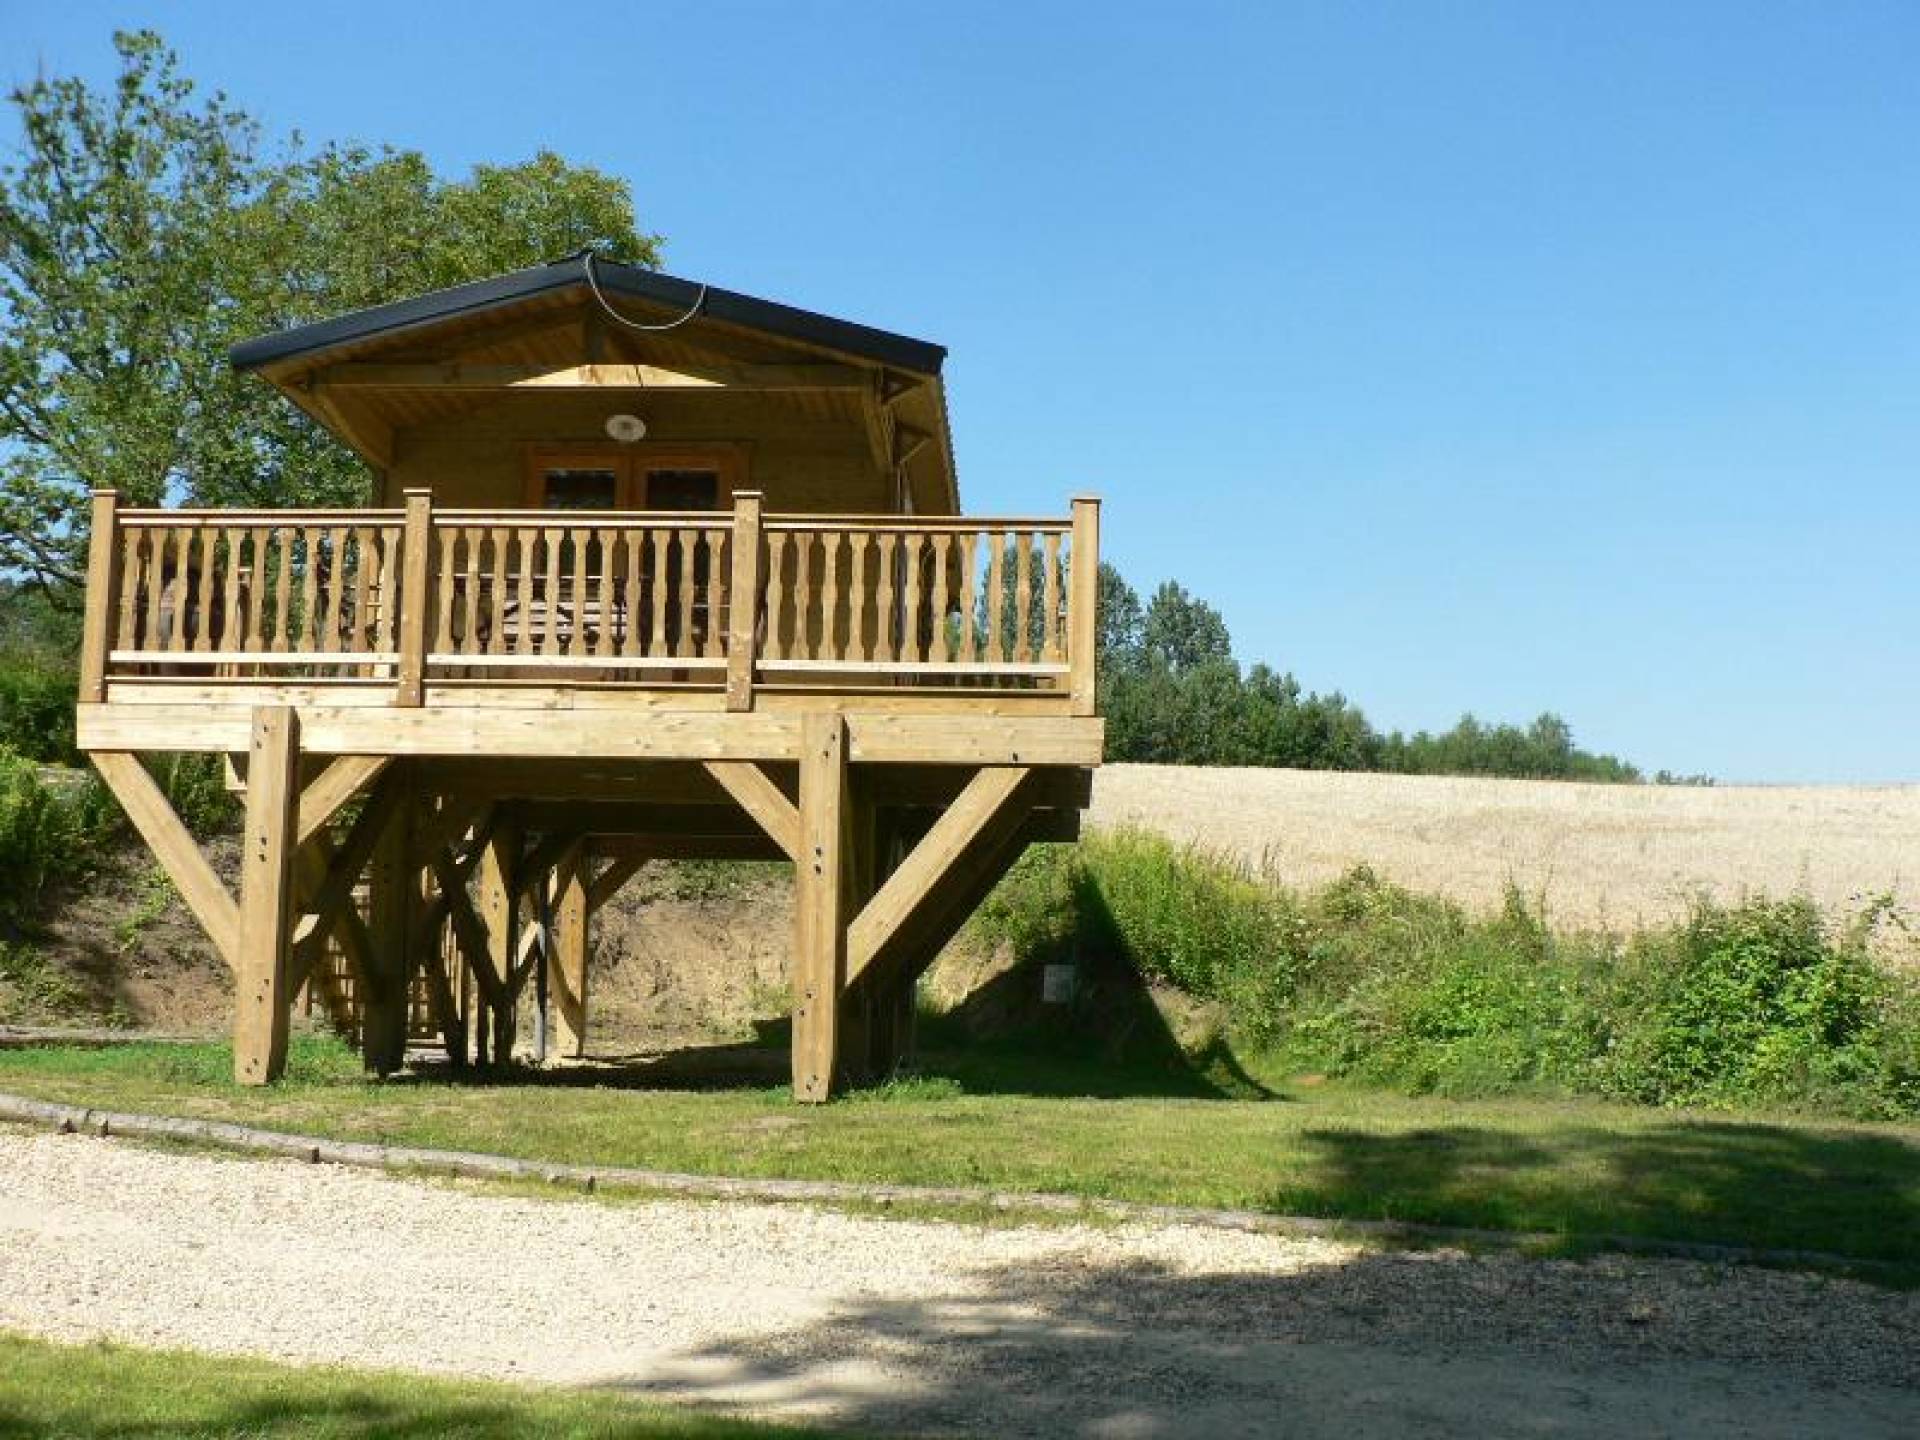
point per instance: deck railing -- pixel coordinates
(421, 597)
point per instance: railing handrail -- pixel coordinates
(921, 524)
(885, 608)
(587, 519)
(151, 515)
(520, 514)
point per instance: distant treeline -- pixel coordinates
(1173, 694)
(1170, 688)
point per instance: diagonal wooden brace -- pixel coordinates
(174, 847)
(990, 801)
(756, 794)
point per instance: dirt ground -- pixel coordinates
(914, 1327)
(1617, 855)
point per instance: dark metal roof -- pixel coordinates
(862, 341)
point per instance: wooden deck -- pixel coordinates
(459, 731)
(419, 607)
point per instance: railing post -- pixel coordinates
(416, 571)
(743, 599)
(103, 596)
(1083, 600)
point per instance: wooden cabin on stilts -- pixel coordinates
(649, 569)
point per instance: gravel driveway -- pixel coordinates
(933, 1328)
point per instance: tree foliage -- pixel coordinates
(1173, 694)
(145, 228)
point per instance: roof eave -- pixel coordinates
(728, 307)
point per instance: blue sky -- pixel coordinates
(1489, 357)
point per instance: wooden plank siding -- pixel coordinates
(802, 462)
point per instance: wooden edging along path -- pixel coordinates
(466, 1164)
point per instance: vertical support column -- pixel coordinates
(820, 905)
(570, 878)
(891, 1005)
(103, 597)
(267, 906)
(416, 571)
(390, 905)
(743, 599)
(1083, 603)
(500, 913)
(861, 1036)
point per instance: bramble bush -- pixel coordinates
(58, 824)
(36, 709)
(1762, 1002)
(50, 830)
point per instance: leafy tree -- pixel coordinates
(144, 229)
(1173, 694)
(1119, 622)
(1182, 632)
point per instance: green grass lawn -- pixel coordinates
(1567, 1167)
(53, 1392)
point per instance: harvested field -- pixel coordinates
(1618, 855)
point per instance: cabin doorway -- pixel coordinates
(632, 477)
(611, 478)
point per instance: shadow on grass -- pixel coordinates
(105, 1391)
(1112, 1042)
(1335, 1344)
(302, 1416)
(1850, 1193)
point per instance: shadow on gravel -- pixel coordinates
(1379, 1344)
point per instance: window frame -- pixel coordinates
(629, 464)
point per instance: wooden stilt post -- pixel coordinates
(436, 956)
(570, 951)
(500, 913)
(266, 897)
(820, 905)
(890, 1001)
(861, 1036)
(390, 897)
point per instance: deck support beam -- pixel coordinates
(889, 999)
(174, 847)
(263, 996)
(859, 1024)
(570, 919)
(345, 777)
(756, 794)
(988, 806)
(390, 907)
(500, 915)
(820, 906)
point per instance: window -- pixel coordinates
(632, 477)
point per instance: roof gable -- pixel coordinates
(503, 293)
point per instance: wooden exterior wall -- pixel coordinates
(806, 454)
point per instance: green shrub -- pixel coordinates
(1193, 920)
(50, 830)
(1759, 1001)
(35, 985)
(196, 786)
(1763, 1002)
(36, 708)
